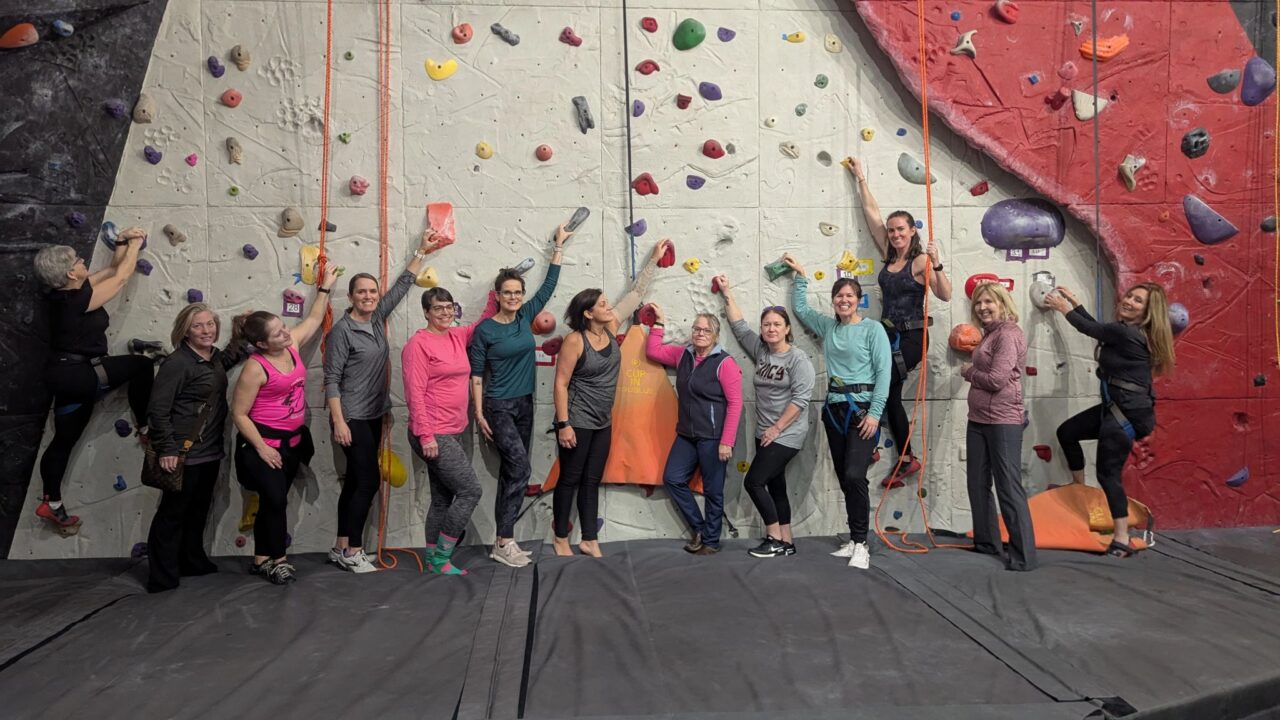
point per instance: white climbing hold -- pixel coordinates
(964, 46)
(789, 149)
(1129, 170)
(827, 229)
(833, 43)
(1082, 103)
(912, 170)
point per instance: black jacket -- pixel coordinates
(184, 384)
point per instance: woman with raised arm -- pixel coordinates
(79, 369)
(269, 408)
(783, 381)
(586, 381)
(902, 278)
(1131, 352)
(858, 357)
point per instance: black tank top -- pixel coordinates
(901, 296)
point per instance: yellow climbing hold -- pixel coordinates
(441, 70)
(847, 261)
(692, 265)
(743, 466)
(795, 37)
(818, 275)
(484, 150)
(309, 255)
(867, 135)
(427, 278)
(250, 512)
(391, 469)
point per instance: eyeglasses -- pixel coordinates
(511, 293)
(442, 310)
(701, 330)
(777, 308)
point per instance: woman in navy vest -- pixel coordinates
(709, 383)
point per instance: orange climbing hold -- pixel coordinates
(964, 338)
(440, 219)
(20, 35)
(1107, 47)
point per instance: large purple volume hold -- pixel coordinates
(1023, 224)
(1206, 224)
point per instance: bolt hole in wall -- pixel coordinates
(516, 135)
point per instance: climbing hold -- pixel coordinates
(1223, 82)
(1034, 79)
(291, 222)
(427, 278)
(725, 34)
(358, 185)
(1006, 10)
(240, 57)
(144, 111)
(231, 98)
(644, 184)
(743, 466)
(715, 285)
(801, 109)
(74, 219)
(637, 108)
(1259, 380)
(330, 227)
(176, 236)
(1207, 225)
(344, 138)
(902, 132)
(552, 346)
(1058, 99)
(694, 182)
(974, 280)
(583, 112)
(964, 46)
(1083, 104)
(832, 43)
(569, 37)
(638, 228)
(777, 269)
(241, 540)
(868, 134)
(483, 150)
(847, 261)
(819, 275)
(123, 428)
(115, 108)
(308, 256)
(709, 91)
(692, 265)
(20, 35)
(544, 323)
(542, 152)
(249, 251)
(1077, 26)
(1179, 317)
(293, 302)
(1258, 82)
(1268, 224)
(288, 540)
(1044, 452)
(462, 33)
(912, 171)
(507, 36)
(1106, 48)
(824, 158)
(964, 338)
(1198, 258)
(1031, 371)
(144, 266)
(649, 24)
(216, 68)
(712, 149)
(771, 121)
(668, 255)
(194, 296)
(647, 67)
(1241, 477)
(1019, 224)
(1132, 164)
(828, 229)
(152, 155)
(648, 316)
(440, 70)
(979, 188)
(790, 149)
(821, 81)
(528, 263)
(1068, 70)
(1195, 143)
(63, 28)
(234, 151)
(139, 551)
(689, 34)
(682, 101)
(897, 515)
(795, 37)
(348, 55)
(110, 234)
(120, 485)
(1042, 284)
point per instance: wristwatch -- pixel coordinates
(937, 268)
(560, 424)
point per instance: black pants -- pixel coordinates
(361, 482)
(511, 420)
(175, 543)
(911, 343)
(581, 470)
(766, 482)
(75, 390)
(851, 456)
(270, 528)
(1114, 447)
(994, 455)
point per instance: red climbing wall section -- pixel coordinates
(1218, 412)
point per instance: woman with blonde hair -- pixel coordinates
(993, 438)
(1131, 352)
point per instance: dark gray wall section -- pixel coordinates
(59, 153)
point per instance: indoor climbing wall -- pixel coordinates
(720, 126)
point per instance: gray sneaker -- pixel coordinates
(509, 555)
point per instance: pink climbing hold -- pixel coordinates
(1006, 10)
(712, 149)
(649, 24)
(231, 98)
(462, 34)
(192, 159)
(1068, 71)
(980, 188)
(358, 185)
(647, 67)
(440, 219)
(241, 541)
(1044, 452)
(1058, 99)
(569, 37)
(644, 184)
(682, 101)
(715, 284)
(543, 152)
(1031, 370)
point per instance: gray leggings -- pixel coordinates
(455, 491)
(995, 457)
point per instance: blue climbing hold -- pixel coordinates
(123, 428)
(152, 155)
(1241, 477)
(919, 224)
(710, 91)
(725, 34)
(902, 132)
(1023, 224)
(63, 28)
(1209, 227)
(695, 182)
(1179, 318)
(1259, 80)
(1033, 79)
(110, 234)
(75, 219)
(120, 484)
(599, 523)
(955, 15)
(888, 443)
(897, 514)
(638, 228)
(144, 266)
(249, 251)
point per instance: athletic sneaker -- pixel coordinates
(509, 555)
(790, 548)
(58, 516)
(356, 562)
(844, 551)
(335, 556)
(769, 548)
(861, 557)
(522, 551)
(279, 572)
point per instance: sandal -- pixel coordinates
(1117, 550)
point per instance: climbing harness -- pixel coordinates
(1113, 407)
(848, 391)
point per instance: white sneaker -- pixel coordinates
(509, 555)
(335, 556)
(861, 558)
(522, 551)
(357, 563)
(845, 550)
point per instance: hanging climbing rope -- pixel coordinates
(1275, 213)
(323, 259)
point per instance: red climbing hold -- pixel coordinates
(552, 346)
(649, 24)
(980, 189)
(544, 323)
(647, 67)
(20, 35)
(712, 149)
(543, 152)
(682, 101)
(462, 34)
(1006, 10)
(231, 98)
(569, 37)
(668, 255)
(715, 284)
(1031, 370)
(645, 184)
(1058, 99)
(647, 315)
(1044, 452)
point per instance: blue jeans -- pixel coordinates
(689, 454)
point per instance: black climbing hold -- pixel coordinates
(1199, 259)
(1224, 82)
(1259, 380)
(1195, 143)
(1269, 224)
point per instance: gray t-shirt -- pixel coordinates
(781, 379)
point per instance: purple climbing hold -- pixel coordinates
(709, 91)
(288, 539)
(139, 551)
(1258, 82)
(115, 108)
(1179, 318)
(725, 34)
(1207, 225)
(1023, 224)
(638, 228)
(637, 108)
(250, 251)
(599, 524)
(1198, 258)
(1241, 477)
(216, 68)
(144, 266)
(695, 182)
(123, 428)
(75, 219)
(194, 296)
(153, 155)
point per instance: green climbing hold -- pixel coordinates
(344, 138)
(924, 493)
(233, 191)
(820, 82)
(801, 109)
(689, 34)
(348, 55)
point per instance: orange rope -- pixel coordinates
(323, 260)
(1275, 209)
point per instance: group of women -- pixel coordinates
(486, 369)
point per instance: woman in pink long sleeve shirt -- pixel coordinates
(437, 376)
(709, 383)
(993, 440)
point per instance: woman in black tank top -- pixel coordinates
(902, 281)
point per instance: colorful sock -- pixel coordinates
(440, 558)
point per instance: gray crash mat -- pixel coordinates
(1256, 548)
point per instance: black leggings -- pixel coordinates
(766, 482)
(1114, 446)
(911, 344)
(581, 470)
(270, 527)
(361, 482)
(75, 390)
(175, 544)
(851, 456)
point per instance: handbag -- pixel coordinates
(171, 481)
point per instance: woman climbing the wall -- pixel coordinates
(503, 347)
(858, 356)
(1131, 352)
(269, 408)
(709, 384)
(436, 373)
(783, 381)
(993, 439)
(79, 370)
(586, 381)
(902, 278)
(189, 403)
(355, 389)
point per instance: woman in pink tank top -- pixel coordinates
(268, 408)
